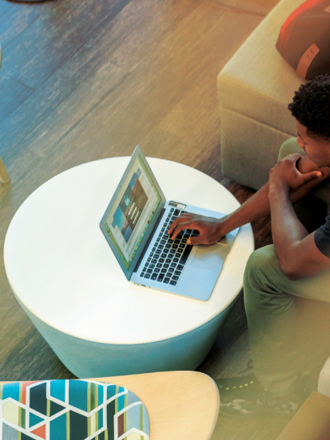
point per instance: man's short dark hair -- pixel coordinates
(311, 107)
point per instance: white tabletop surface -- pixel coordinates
(61, 268)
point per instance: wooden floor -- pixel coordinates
(84, 80)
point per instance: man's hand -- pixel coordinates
(211, 230)
(286, 174)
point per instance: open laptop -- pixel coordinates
(135, 225)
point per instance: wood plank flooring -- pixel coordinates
(84, 80)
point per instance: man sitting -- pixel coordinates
(296, 265)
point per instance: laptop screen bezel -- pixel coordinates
(129, 271)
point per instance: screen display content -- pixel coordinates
(132, 212)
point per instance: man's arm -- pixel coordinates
(211, 230)
(296, 250)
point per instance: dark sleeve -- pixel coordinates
(322, 237)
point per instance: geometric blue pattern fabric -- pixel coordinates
(71, 410)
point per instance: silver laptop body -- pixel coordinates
(135, 225)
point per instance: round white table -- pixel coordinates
(67, 280)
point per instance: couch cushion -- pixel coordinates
(257, 82)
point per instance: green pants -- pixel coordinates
(269, 298)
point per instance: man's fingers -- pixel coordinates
(312, 175)
(295, 156)
(173, 226)
(195, 240)
(171, 229)
(175, 230)
(180, 224)
(318, 174)
(182, 219)
(207, 228)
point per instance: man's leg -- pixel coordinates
(269, 298)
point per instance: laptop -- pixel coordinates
(135, 225)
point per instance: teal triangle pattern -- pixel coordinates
(34, 420)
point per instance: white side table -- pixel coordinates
(67, 280)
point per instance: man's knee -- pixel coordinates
(262, 265)
(290, 146)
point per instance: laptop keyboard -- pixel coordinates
(168, 257)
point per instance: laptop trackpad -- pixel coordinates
(209, 257)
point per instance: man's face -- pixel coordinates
(317, 150)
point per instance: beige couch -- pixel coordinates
(254, 88)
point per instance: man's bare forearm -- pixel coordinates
(286, 227)
(255, 207)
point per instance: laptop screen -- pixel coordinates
(132, 210)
